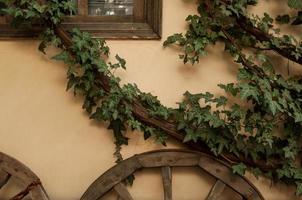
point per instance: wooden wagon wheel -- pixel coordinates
(166, 159)
(11, 168)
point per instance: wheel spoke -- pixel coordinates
(167, 182)
(223, 173)
(122, 192)
(216, 190)
(4, 178)
(236, 186)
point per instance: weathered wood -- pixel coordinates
(167, 182)
(82, 7)
(111, 178)
(122, 192)
(24, 175)
(139, 10)
(17, 169)
(2, 20)
(166, 158)
(4, 178)
(145, 23)
(225, 174)
(172, 158)
(216, 190)
(39, 193)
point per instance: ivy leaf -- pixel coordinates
(298, 174)
(129, 180)
(174, 38)
(121, 61)
(100, 64)
(298, 117)
(118, 127)
(148, 132)
(299, 188)
(190, 135)
(283, 19)
(71, 82)
(63, 56)
(247, 90)
(42, 47)
(229, 88)
(39, 8)
(296, 4)
(256, 172)
(289, 153)
(181, 125)
(243, 74)
(222, 143)
(213, 120)
(239, 169)
(272, 105)
(221, 101)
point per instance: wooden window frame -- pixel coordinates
(145, 23)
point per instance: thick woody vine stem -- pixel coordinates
(240, 135)
(168, 127)
(246, 25)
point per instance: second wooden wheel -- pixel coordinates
(166, 160)
(11, 168)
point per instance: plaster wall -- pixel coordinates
(44, 126)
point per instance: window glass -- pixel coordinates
(110, 7)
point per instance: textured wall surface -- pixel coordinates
(44, 126)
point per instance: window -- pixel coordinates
(113, 19)
(107, 7)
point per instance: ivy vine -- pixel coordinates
(245, 136)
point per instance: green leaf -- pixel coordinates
(222, 144)
(42, 47)
(174, 38)
(63, 56)
(256, 172)
(38, 7)
(121, 61)
(181, 125)
(213, 120)
(101, 65)
(118, 127)
(283, 19)
(243, 74)
(71, 82)
(296, 4)
(239, 169)
(221, 101)
(272, 105)
(247, 90)
(298, 117)
(289, 153)
(299, 188)
(129, 180)
(148, 132)
(190, 135)
(229, 88)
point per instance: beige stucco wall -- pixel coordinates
(44, 126)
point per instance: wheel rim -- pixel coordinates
(166, 160)
(10, 167)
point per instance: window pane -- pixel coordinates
(110, 7)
